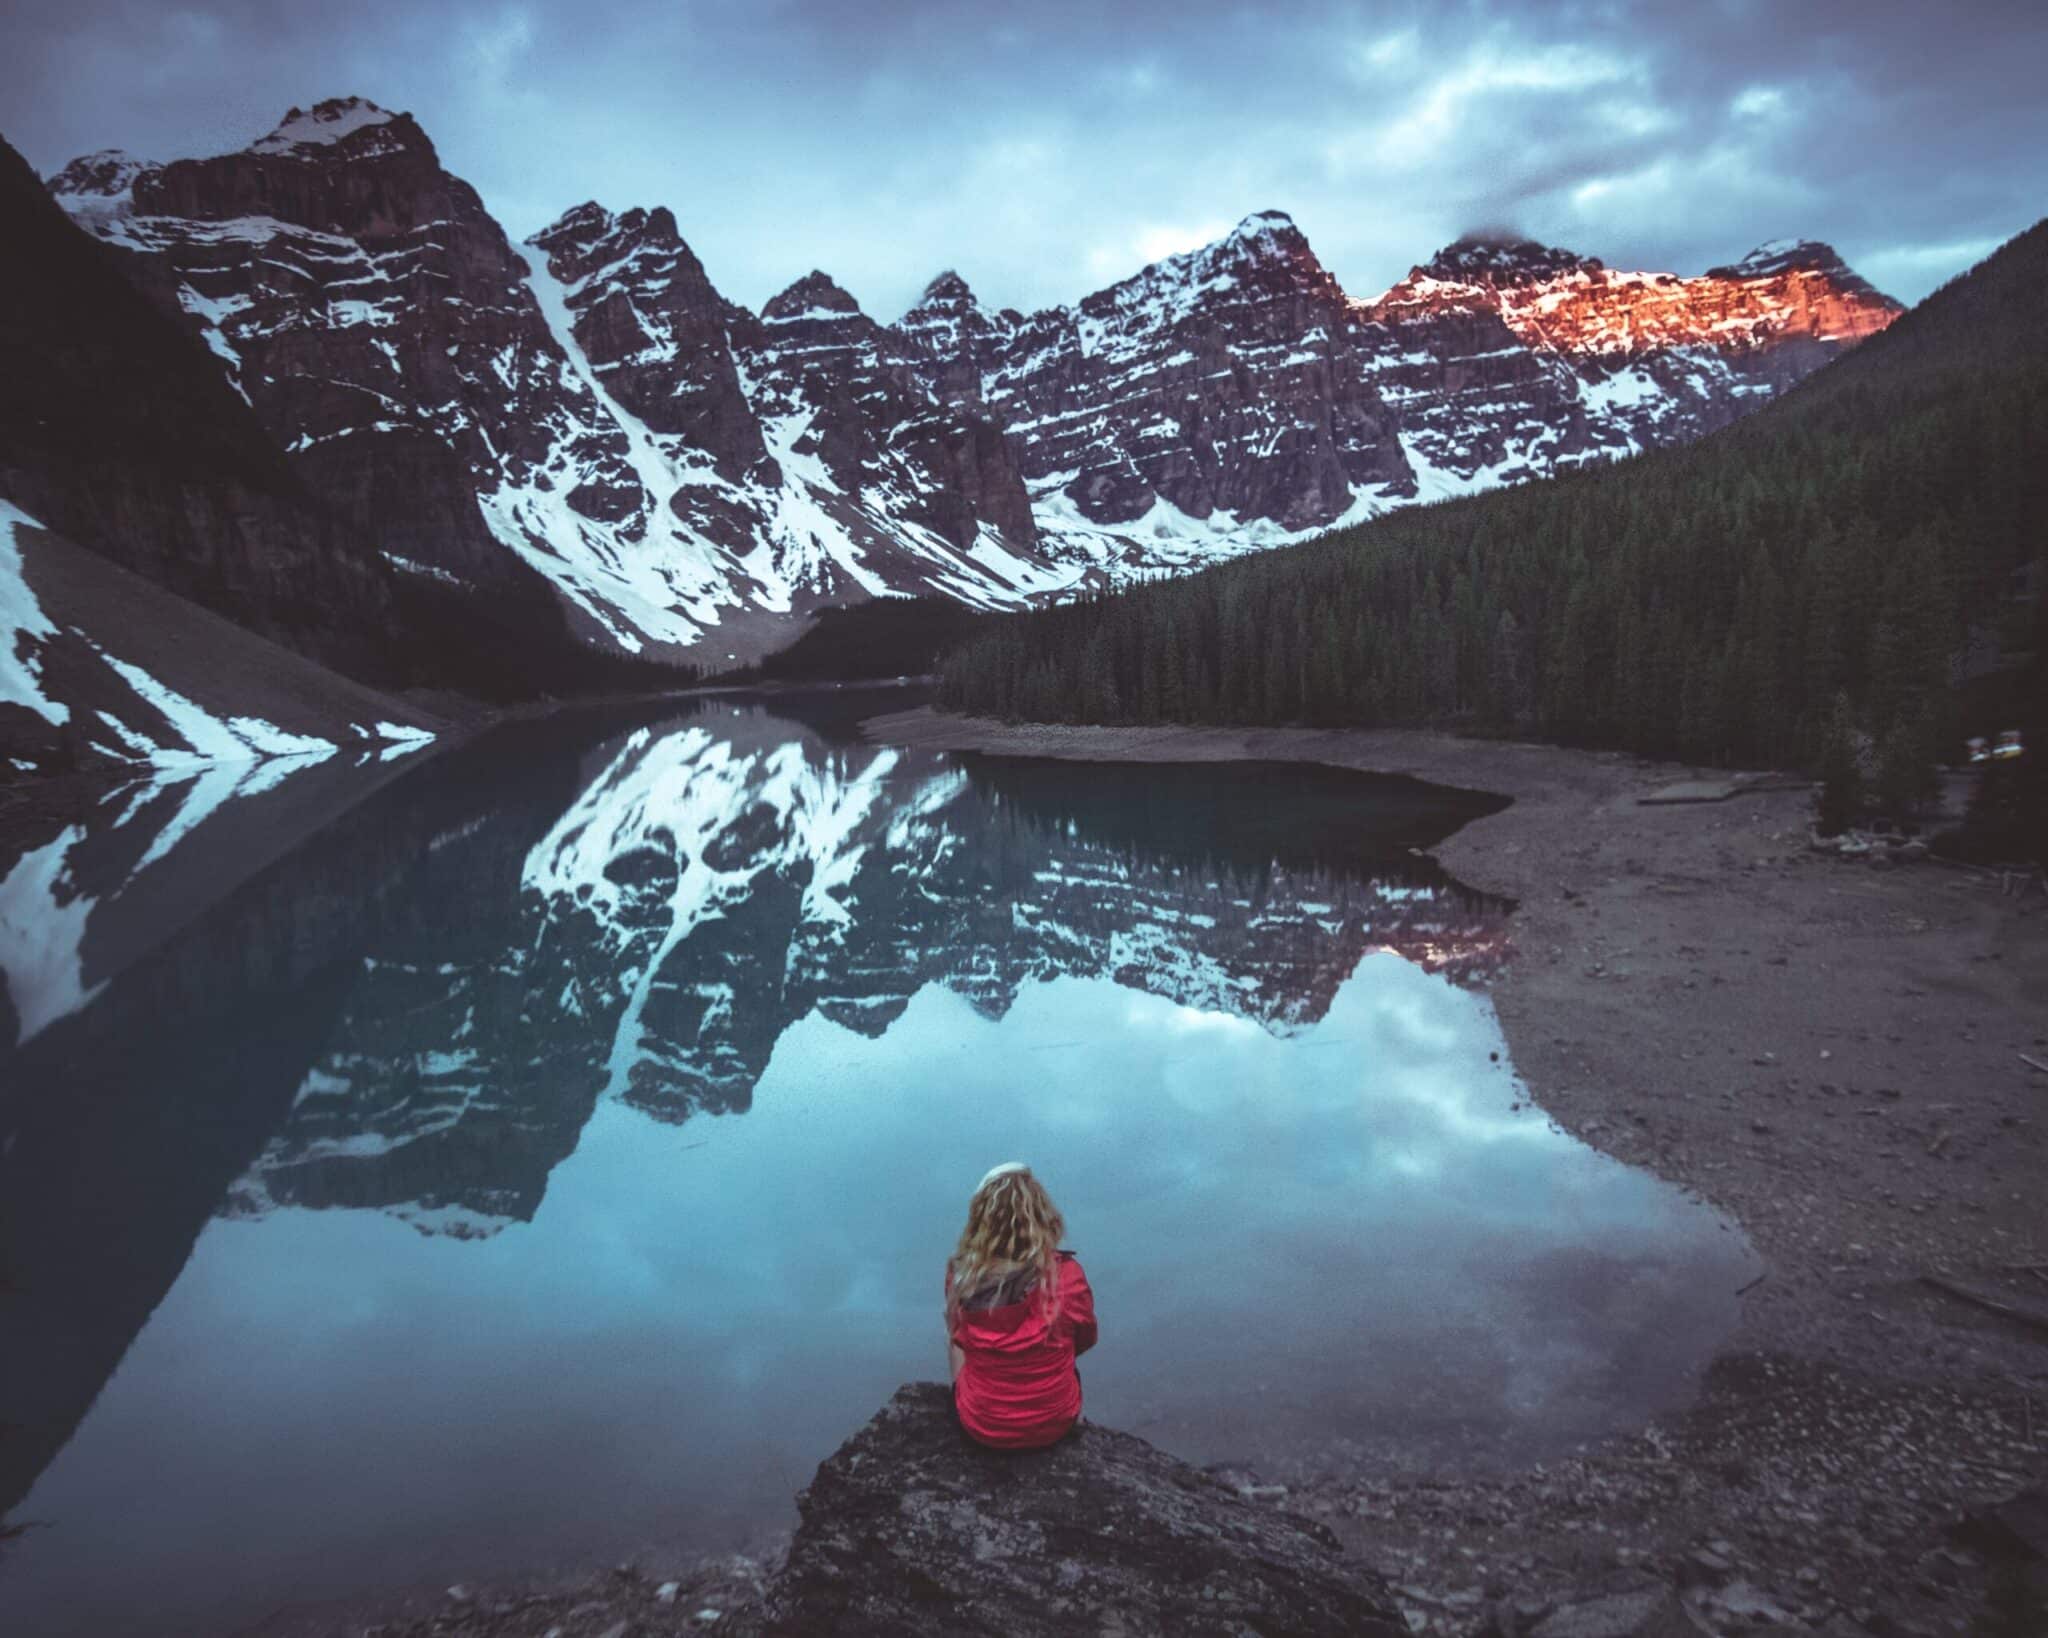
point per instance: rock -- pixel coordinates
(1653, 1612)
(1744, 1602)
(909, 1528)
(1705, 1566)
(2016, 1527)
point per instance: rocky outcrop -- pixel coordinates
(910, 1527)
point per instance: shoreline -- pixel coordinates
(1815, 1047)
(1828, 1053)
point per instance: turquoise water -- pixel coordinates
(554, 1156)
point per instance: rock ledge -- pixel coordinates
(909, 1528)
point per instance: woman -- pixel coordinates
(1018, 1312)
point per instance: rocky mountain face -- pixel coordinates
(582, 415)
(380, 325)
(1219, 382)
(690, 479)
(795, 445)
(118, 431)
(1510, 360)
(1234, 396)
(282, 489)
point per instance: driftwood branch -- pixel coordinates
(2031, 1318)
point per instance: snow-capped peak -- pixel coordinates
(323, 125)
(1499, 258)
(1264, 224)
(949, 322)
(1781, 256)
(98, 189)
(108, 173)
(1266, 238)
(1263, 245)
(947, 290)
(580, 225)
(813, 294)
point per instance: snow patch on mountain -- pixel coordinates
(1439, 483)
(206, 737)
(98, 189)
(23, 626)
(1165, 540)
(669, 585)
(322, 125)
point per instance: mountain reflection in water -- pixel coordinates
(1222, 1008)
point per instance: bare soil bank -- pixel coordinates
(1829, 1052)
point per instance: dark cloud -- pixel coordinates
(1044, 150)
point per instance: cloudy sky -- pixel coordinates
(1045, 149)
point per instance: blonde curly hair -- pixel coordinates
(1013, 1229)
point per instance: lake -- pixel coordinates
(545, 1151)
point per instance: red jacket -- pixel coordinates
(1017, 1387)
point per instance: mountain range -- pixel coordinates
(454, 460)
(1854, 572)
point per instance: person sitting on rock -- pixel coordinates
(1018, 1313)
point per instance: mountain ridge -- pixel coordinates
(1853, 573)
(693, 481)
